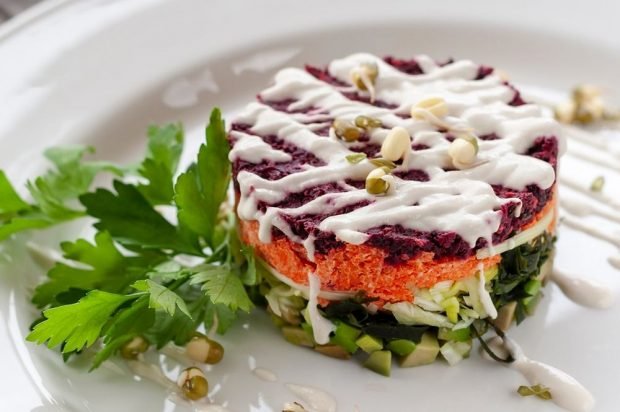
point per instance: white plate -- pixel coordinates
(98, 72)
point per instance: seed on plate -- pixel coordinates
(598, 184)
(377, 182)
(293, 407)
(565, 112)
(381, 162)
(365, 75)
(590, 111)
(346, 130)
(202, 349)
(193, 383)
(366, 122)
(436, 106)
(134, 347)
(585, 93)
(397, 144)
(463, 151)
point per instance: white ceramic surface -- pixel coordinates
(98, 72)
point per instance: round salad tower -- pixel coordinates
(399, 207)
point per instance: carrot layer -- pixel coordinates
(363, 268)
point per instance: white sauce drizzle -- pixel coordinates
(316, 399)
(265, 374)
(591, 230)
(254, 149)
(614, 261)
(461, 201)
(519, 239)
(485, 297)
(321, 327)
(565, 390)
(211, 408)
(305, 290)
(583, 291)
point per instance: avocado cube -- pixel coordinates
(457, 335)
(333, 351)
(380, 362)
(297, 336)
(369, 344)
(530, 303)
(532, 287)
(401, 347)
(345, 336)
(425, 352)
(505, 316)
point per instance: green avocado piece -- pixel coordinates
(369, 344)
(505, 316)
(297, 336)
(425, 352)
(401, 347)
(345, 336)
(532, 287)
(333, 351)
(458, 335)
(277, 320)
(380, 362)
(530, 303)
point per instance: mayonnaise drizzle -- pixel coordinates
(583, 291)
(321, 327)
(461, 201)
(316, 399)
(485, 297)
(565, 390)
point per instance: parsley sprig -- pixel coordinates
(132, 279)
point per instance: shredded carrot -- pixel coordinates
(363, 268)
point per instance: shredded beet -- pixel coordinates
(401, 244)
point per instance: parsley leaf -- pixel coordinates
(178, 328)
(73, 176)
(123, 326)
(102, 292)
(225, 317)
(77, 325)
(200, 191)
(99, 266)
(10, 202)
(51, 192)
(161, 297)
(161, 162)
(132, 221)
(224, 287)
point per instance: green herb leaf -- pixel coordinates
(100, 266)
(132, 221)
(223, 287)
(178, 328)
(202, 189)
(123, 326)
(73, 175)
(161, 162)
(22, 223)
(224, 315)
(10, 202)
(161, 298)
(517, 267)
(539, 391)
(78, 325)
(598, 184)
(51, 192)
